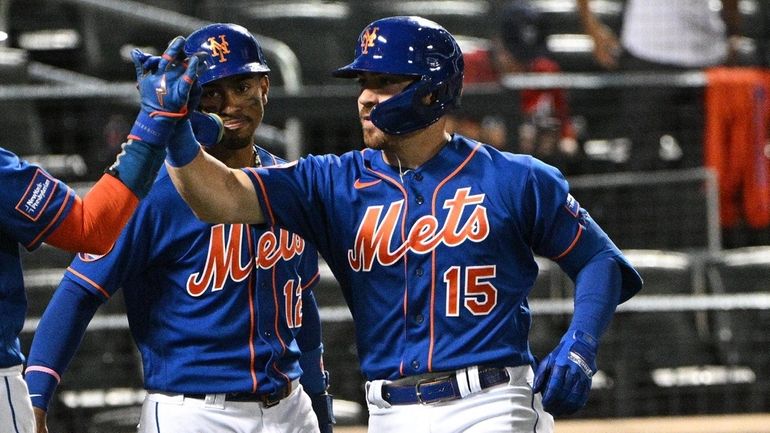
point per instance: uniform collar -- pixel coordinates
(444, 163)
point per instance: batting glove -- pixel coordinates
(564, 376)
(164, 87)
(207, 127)
(324, 411)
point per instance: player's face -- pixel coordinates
(240, 101)
(376, 88)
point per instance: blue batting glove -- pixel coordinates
(564, 376)
(207, 127)
(324, 411)
(164, 85)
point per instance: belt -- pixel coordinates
(268, 400)
(441, 388)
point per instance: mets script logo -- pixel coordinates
(376, 232)
(219, 49)
(227, 259)
(367, 39)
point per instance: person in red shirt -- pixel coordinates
(546, 129)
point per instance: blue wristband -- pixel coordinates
(137, 166)
(182, 146)
(44, 384)
(152, 130)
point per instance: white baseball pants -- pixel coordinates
(16, 414)
(163, 413)
(505, 408)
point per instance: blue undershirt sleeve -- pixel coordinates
(57, 338)
(597, 295)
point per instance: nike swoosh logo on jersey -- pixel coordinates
(35, 395)
(361, 185)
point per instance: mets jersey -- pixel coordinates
(32, 205)
(212, 308)
(436, 262)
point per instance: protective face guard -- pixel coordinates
(406, 112)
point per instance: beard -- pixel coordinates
(236, 141)
(374, 138)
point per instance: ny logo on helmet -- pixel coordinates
(219, 49)
(367, 39)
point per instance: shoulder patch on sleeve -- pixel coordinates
(572, 206)
(37, 196)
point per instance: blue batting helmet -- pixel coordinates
(229, 49)
(410, 46)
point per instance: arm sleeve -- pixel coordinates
(309, 336)
(314, 378)
(566, 233)
(57, 338)
(597, 294)
(95, 222)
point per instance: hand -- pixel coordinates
(564, 376)
(40, 420)
(164, 87)
(322, 406)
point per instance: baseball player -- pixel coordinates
(222, 314)
(431, 237)
(35, 207)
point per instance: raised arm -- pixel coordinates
(96, 220)
(606, 46)
(215, 192)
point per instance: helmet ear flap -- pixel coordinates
(407, 112)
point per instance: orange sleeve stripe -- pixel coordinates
(89, 281)
(63, 206)
(264, 195)
(312, 281)
(572, 245)
(95, 222)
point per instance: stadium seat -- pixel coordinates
(319, 33)
(645, 344)
(464, 17)
(742, 333)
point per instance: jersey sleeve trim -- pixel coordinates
(262, 190)
(54, 221)
(572, 245)
(91, 282)
(312, 281)
(45, 370)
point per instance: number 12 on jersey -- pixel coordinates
(292, 292)
(470, 285)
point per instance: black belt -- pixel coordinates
(267, 400)
(437, 389)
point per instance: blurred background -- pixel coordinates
(664, 140)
